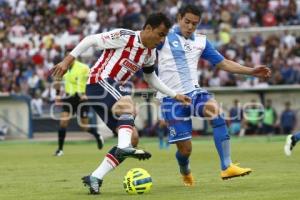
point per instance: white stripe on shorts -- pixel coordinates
(109, 90)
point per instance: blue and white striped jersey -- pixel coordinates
(178, 59)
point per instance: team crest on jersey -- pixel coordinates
(130, 65)
(127, 32)
(187, 47)
(118, 34)
(172, 131)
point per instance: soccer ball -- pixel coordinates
(137, 181)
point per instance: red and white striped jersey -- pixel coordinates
(123, 55)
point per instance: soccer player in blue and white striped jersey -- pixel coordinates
(178, 59)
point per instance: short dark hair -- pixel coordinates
(156, 19)
(190, 9)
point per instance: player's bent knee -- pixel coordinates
(211, 109)
(186, 152)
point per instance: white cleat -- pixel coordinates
(288, 145)
(59, 153)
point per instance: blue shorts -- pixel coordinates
(102, 96)
(178, 116)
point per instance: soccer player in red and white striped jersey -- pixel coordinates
(124, 53)
(127, 57)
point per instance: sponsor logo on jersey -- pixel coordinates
(115, 35)
(130, 65)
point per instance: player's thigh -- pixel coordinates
(173, 111)
(211, 109)
(106, 96)
(178, 119)
(204, 105)
(107, 117)
(102, 101)
(124, 105)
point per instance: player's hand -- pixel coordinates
(59, 70)
(185, 100)
(261, 71)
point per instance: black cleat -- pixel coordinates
(93, 183)
(100, 141)
(130, 152)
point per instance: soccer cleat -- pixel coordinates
(132, 153)
(234, 171)
(58, 153)
(188, 180)
(289, 145)
(100, 141)
(93, 183)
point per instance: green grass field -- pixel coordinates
(28, 171)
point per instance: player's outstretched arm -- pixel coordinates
(60, 69)
(233, 67)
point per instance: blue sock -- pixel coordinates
(161, 143)
(184, 163)
(222, 141)
(61, 138)
(167, 144)
(296, 137)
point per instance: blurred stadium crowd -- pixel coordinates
(35, 34)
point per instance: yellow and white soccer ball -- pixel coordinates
(137, 181)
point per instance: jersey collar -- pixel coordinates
(140, 40)
(177, 30)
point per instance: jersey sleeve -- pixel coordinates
(211, 54)
(150, 59)
(108, 40)
(113, 39)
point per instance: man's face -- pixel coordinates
(154, 36)
(188, 24)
